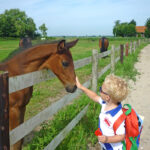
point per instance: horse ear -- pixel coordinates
(60, 46)
(71, 44)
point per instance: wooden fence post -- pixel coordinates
(121, 53)
(94, 69)
(4, 112)
(134, 47)
(112, 59)
(127, 47)
(130, 47)
(139, 42)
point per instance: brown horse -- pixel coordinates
(55, 57)
(25, 43)
(103, 44)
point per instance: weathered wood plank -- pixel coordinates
(82, 62)
(101, 55)
(58, 139)
(94, 69)
(112, 59)
(104, 70)
(117, 59)
(26, 80)
(4, 112)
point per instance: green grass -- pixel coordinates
(83, 133)
(6, 47)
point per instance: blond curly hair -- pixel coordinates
(116, 88)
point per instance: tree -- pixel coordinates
(115, 29)
(15, 23)
(132, 22)
(43, 29)
(124, 29)
(147, 31)
(117, 22)
(148, 23)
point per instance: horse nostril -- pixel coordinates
(74, 88)
(71, 89)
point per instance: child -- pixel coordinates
(112, 92)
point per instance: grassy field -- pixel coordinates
(44, 90)
(44, 94)
(6, 47)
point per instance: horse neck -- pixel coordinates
(31, 59)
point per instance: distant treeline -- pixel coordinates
(126, 29)
(15, 23)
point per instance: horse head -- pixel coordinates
(61, 64)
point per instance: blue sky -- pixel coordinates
(81, 17)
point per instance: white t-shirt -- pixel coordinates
(106, 121)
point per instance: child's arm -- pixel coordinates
(92, 95)
(111, 139)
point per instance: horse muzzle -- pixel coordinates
(71, 89)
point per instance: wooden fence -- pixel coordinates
(20, 82)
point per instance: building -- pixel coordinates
(140, 30)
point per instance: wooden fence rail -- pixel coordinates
(23, 81)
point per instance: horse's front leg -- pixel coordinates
(16, 117)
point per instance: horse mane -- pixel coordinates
(103, 38)
(20, 50)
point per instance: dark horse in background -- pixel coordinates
(54, 56)
(103, 44)
(25, 43)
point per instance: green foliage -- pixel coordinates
(43, 29)
(124, 29)
(15, 23)
(132, 22)
(147, 31)
(148, 23)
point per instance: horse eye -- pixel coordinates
(65, 63)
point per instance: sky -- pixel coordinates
(81, 17)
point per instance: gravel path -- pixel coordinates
(139, 96)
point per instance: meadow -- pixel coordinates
(45, 94)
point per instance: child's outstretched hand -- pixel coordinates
(78, 84)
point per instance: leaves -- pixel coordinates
(43, 30)
(124, 29)
(147, 31)
(15, 23)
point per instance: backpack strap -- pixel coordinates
(118, 122)
(122, 117)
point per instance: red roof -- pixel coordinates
(140, 29)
